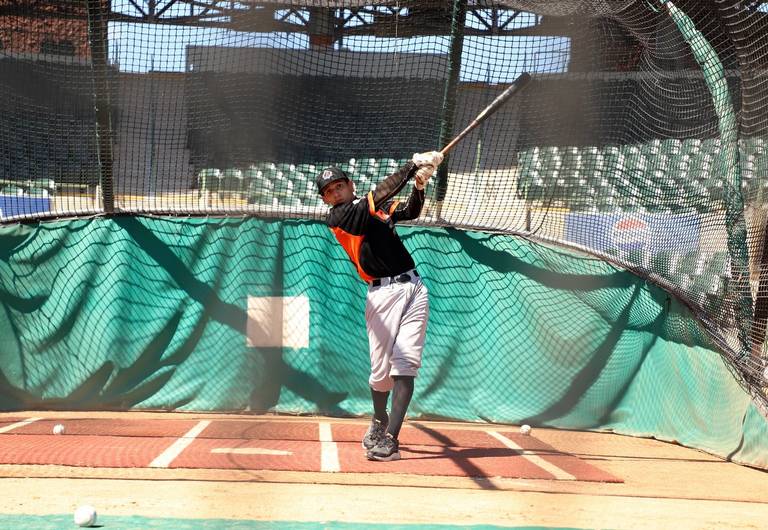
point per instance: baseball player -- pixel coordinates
(397, 307)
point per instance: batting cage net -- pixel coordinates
(641, 139)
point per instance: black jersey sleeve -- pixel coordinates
(392, 185)
(410, 209)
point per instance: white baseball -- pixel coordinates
(58, 429)
(525, 429)
(85, 515)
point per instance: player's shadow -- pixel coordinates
(461, 456)
(276, 372)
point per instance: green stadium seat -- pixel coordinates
(593, 163)
(571, 164)
(535, 190)
(638, 256)
(289, 201)
(46, 184)
(282, 186)
(616, 164)
(231, 181)
(308, 169)
(651, 148)
(688, 263)
(38, 192)
(390, 163)
(208, 179)
(672, 147)
(551, 160)
(528, 161)
(663, 263)
(716, 264)
(761, 166)
(12, 190)
(691, 146)
(715, 188)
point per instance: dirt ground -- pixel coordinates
(665, 486)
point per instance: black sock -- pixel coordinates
(380, 405)
(401, 398)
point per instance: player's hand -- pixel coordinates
(423, 175)
(430, 158)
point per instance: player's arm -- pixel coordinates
(410, 209)
(392, 185)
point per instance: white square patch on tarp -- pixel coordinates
(278, 321)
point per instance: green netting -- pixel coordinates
(641, 140)
(255, 315)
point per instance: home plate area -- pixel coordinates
(310, 446)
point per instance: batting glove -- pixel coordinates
(423, 175)
(430, 158)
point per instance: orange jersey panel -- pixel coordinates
(352, 244)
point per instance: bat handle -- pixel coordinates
(450, 145)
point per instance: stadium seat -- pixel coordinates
(390, 163)
(289, 201)
(551, 159)
(672, 147)
(38, 192)
(716, 264)
(689, 263)
(208, 179)
(715, 188)
(663, 263)
(528, 160)
(308, 169)
(691, 146)
(231, 182)
(571, 162)
(638, 256)
(17, 191)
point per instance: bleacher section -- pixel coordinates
(289, 185)
(659, 176)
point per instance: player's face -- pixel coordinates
(338, 192)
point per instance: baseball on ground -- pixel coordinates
(85, 516)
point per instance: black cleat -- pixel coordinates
(376, 431)
(387, 450)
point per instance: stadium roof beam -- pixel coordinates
(350, 17)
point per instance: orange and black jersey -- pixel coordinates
(365, 227)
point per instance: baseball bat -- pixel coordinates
(488, 111)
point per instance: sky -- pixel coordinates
(141, 47)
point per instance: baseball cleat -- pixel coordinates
(376, 431)
(387, 450)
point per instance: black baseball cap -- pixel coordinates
(328, 175)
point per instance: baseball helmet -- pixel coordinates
(328, 175)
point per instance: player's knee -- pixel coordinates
(381, 385)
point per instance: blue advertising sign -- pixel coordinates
(649, 232)
(14, 205)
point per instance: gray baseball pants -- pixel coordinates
(396, 317)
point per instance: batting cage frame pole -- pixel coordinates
(98, 14)
(458, 22)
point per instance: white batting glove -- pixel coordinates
(423, 175)
(430, 158)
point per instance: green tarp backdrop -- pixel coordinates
(145, 313)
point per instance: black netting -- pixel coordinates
(641, 139)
